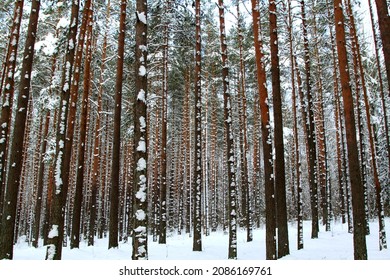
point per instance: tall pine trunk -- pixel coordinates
(18, 137)
(279, 165)
(198, 176)
(140, 202)
(163, 187)
(311, 140)
(115, 164)
(232, 252)
(360, 249)
(56, 221)
(266, 138)
(381, 84)
(382, 9)
(378, 188)
(296, 163)
(7, 94)
(246, 197)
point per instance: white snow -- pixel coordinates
(53, 231)
(140, 215)
(141, 146)
(142, 17)
(141, 96)
(63, 23)
(336, 244)
(141, 164)
(142, 123)
(142, 71)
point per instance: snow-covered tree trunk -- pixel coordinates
(338, 130)
(163, 187)
(266, 138)
(311, 139)
(320, 128)
(381, 83)
(7, 94)
(360, 249)
(231, 166)
(82, 141)
(382, 8)
(198, 174)
(56, 222)
(140, 202)
(188, 150)
(17, 144)
(246, 198)
(85, 26)
(378, 188)
(41, 173)
(297, 159)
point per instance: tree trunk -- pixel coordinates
(381, 85)
(321, 136)
(232, 254)
(6, 110)
(18, 137)
(296, 163)
(56, 224)
(360, 249)
(115, 166)
(384, 28)
(140, 202)
(41, 173)
(279, 165)
(266, 138)
(198, 176)
(378, 188)
(311, 133)
(246, 203)
(163, 187)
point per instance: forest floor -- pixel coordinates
(336, 244)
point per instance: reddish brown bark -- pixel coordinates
(7, 95)
(56, 222)
(360, 249)
(266, 137)
(115, 163)
(384, 28)
(18, 138)
(140, 191)
(198, 174)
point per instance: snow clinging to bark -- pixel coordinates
(53, 231)
(141, 96)
(141, 164)
(142, 17)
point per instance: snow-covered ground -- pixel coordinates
(334, 245)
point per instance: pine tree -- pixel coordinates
(115, 164)
(163, 187)
(7, 94)
(198, 174)
(56, 220)
(310, 137)
(360, 249)
(140, 202)
(382, 9)
(229, 138)
(17, 145)
(266, 138)
(279, 165)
